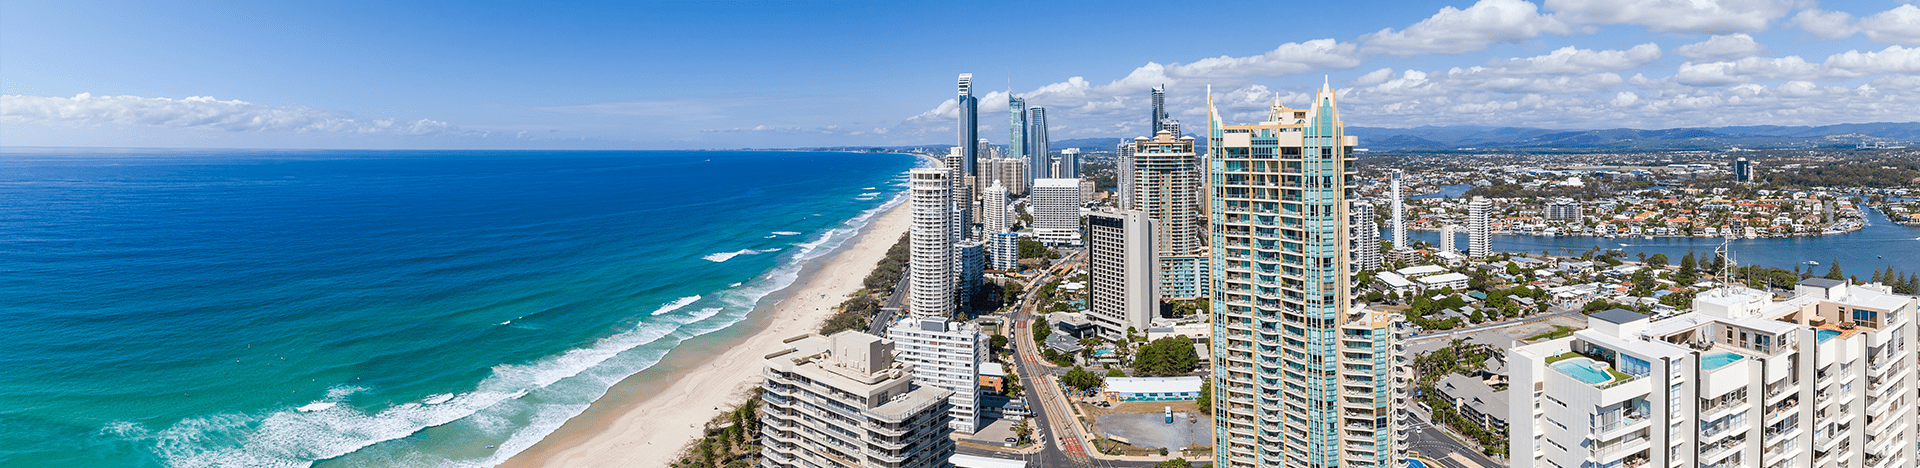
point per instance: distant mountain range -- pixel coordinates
(1479, 138)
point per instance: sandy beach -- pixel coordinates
(645, 419)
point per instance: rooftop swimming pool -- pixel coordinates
(1718, 360)
(1412, 463)
(1102, 352)
(1584, 370)
(1827, 334)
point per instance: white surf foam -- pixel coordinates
(724, 256)
(785, 233)
(676, 304)
(316, 406)
(292, 437)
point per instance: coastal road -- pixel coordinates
(1434, 443)
(896, 300)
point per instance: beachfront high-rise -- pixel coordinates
(1166, 186)
(946, 354)
(1123, 156)
(1121, 297)
(845, 401)
(1366, 237)
(1479, 228)
(931, 239)
(969, 126)
(1039, 161)
(1286, 393)
(1055, 206)
(1825, 378)
(1016, 127)
(1449, 236)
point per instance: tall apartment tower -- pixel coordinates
(970, 265)
(1366, 237)
(1822, 379)
(1069, 164)
(1055, 205)
(993, 209)
(1290, 396)
(849, 382)
(1014, 174)
(1448, 235)
(969, 125)
(1016, 127)
(1479, 228)
(1159, 110)
(1742, 170)
(1123, 157)
(1120, 279)
(931, 240)
(1166, 186)
(945, 354)
(1038, 159)
(1399, 218)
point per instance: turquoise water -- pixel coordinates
(1584, 370)
(1718, 360)
(1102, 352)
(1412, 463)
(1825, 335)
(377, 308)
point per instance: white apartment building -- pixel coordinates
(931, 240)
(1055, 206)
(1563, 209)
(1822, 379)
(844, 401)
(1479, 228)
(1366, 237)
(1121, 292)
(994, 214)
(945, 354)
(1008, 172)
(1449, 235)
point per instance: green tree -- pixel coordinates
(1658, 260)
(1205, 401)
(1080, 380)
(1166, 357)
(1040, 331)
(1834, 272)
(1116, 373)
(998, 342)
(1175, 463)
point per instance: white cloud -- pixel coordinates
(1791, 67)
(1374, 77)
(1825, 24)
(1893, 59)
(1455, 31)
(1900, 25)
(1289, 58)
(1569, 60)
(200, 112)
(1699, 16)
(1721, 47)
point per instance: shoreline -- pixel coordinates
(629, 425)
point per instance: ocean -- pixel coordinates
(378, 308)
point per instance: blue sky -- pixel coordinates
(737, 74)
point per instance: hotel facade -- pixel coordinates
(1302, 378)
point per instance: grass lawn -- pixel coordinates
(1559, 331)
(1562, 357)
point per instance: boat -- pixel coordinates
(1813, 263)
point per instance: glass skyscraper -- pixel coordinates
(1301, 377)
(969, 127)
(1016, 128)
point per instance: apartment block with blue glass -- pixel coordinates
(1287, 392)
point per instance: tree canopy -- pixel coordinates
(1166, 357)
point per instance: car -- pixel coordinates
(1010, 440)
